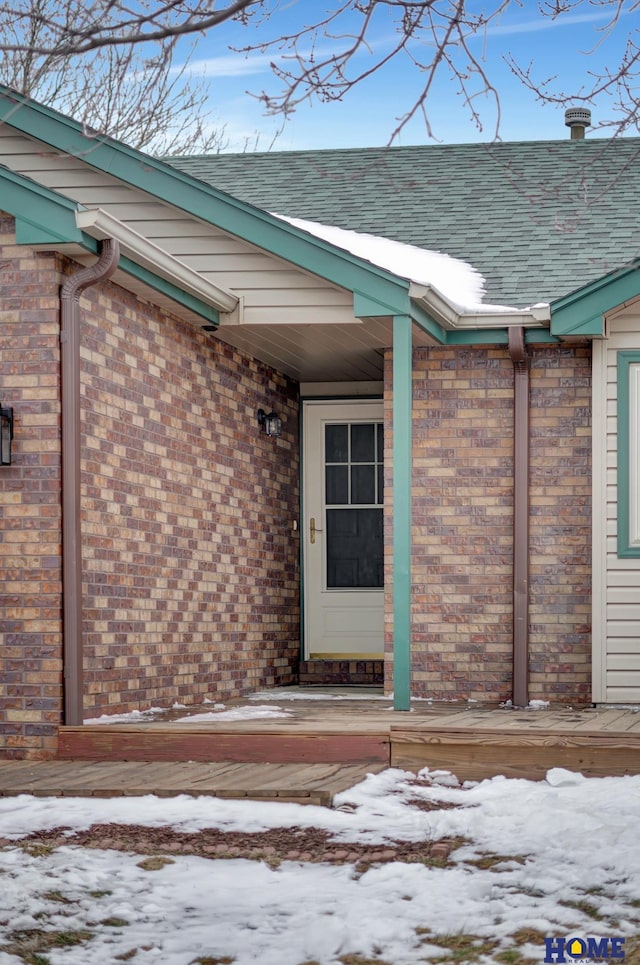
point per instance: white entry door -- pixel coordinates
(342, 529)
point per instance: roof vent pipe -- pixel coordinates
(578, 119)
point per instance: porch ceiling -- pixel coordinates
(320, 352)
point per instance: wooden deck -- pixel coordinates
(473, 742)
(598, 743)
(310, 784)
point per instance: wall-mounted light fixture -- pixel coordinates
(270, 422)
(6, 435)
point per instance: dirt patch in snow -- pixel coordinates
(273, 846)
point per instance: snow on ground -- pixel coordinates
(134, 716)
(556, 858)
(236, 713)
(349, 694)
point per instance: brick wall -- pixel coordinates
(190, 561)
(30, 517)
(463, 524)
(191, 584)
(560, 524)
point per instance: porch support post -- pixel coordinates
(402, 395)
(520, 359)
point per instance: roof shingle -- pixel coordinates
(537, 218)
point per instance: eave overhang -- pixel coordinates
(456, 318)
(100, 224)
(376, 292)
(200, 200)
(47, 220)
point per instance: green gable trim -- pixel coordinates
(42, 216)
(164, 287)
(582, 312)
(426, 323)
(201, 201)
(628, 482)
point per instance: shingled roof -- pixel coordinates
(537, 218)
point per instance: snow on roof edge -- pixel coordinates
(458, 282)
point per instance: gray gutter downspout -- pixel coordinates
(70, 294)
(518, 353)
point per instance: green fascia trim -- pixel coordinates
(625, 548)
(364, 306)
(194, 304)
(499, 336)
(539, 336)
(489, 336)
(42, 216)
(30, 234)
(582, 312)
(402, 397)
(200, 200)
(428, 324)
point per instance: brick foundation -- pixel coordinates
(358, 673)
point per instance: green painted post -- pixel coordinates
(402, 393)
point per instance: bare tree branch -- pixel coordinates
(620, 85)
(432, 35)
(113, 23)
(324, 57)
(143, 100)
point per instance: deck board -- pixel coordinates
(315, 783)
(515, 751)
(472, 741)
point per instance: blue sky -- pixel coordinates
(568, 48)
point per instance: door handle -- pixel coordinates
(313, 530)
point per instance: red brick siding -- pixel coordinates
(560, 524)
(462, 605)
(190, 559)
(30, 516)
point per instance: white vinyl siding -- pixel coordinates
(616, 578)
(632, 465)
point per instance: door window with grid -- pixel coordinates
(353, 478)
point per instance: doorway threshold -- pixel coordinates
(341, 673)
